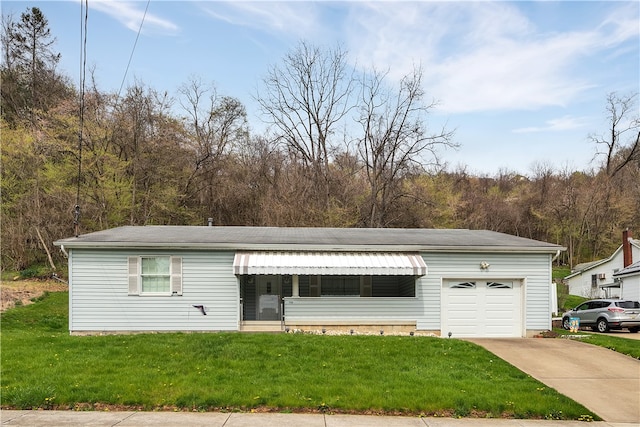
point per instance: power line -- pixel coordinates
(132, 51)
(84, 15)
(84, 10)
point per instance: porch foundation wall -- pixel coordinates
(358, 327)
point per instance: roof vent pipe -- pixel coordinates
(210, 221)
(626, 248)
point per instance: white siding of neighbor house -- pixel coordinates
(580, 284)
(631, 288)
(534, 270)
(99, 299)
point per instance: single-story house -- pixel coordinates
(629, 280)
(596, 279)
(190, 278)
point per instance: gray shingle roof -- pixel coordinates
(630, 269)
(292, 238)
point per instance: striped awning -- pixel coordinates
(330, 263)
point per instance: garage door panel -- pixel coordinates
(484, 308)
(462, 331)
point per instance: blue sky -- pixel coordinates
(521, 82)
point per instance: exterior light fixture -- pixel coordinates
(484, 265)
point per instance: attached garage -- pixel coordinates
(482, 308)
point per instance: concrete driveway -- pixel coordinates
(606, 382)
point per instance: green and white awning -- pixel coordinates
(330, 263)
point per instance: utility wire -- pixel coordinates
(132, 51)
(84, 14)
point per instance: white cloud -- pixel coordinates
(561, 124)
(297, 19)
(130, 14)
(481, 56)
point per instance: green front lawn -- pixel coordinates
(622, 345)
(43, 366)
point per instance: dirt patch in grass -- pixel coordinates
(22, 292)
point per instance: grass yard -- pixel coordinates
(573, 301)
(42, 366)
(621, 345)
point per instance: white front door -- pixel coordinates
(482, 308)
(269, 298)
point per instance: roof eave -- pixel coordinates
(305, 247)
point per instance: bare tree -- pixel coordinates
(216, 125)
(622, 146)
(395, 139)
(304, 100)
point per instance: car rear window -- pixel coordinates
(628, 304)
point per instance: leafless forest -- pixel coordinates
(343, 149)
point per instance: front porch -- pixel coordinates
(261, 326)
(322, 290)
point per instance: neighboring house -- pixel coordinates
(629, 281)
(189, 278)
(596, 279)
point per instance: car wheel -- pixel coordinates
(566, 324)
(634, 330)
(602, 325)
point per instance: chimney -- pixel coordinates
(626, 248)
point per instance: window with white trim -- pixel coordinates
(155, 275)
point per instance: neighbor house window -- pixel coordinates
(155, 275)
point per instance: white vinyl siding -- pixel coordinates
(630, 288)
(100, 299)
(356, 309)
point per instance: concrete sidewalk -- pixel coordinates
(606, 382)
(216, 419)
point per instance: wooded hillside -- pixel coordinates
(150, 157)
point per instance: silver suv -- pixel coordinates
(604, 314)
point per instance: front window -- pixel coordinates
(155, 275)
(357, 286)
(340, 286)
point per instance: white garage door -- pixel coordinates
(481, 308)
